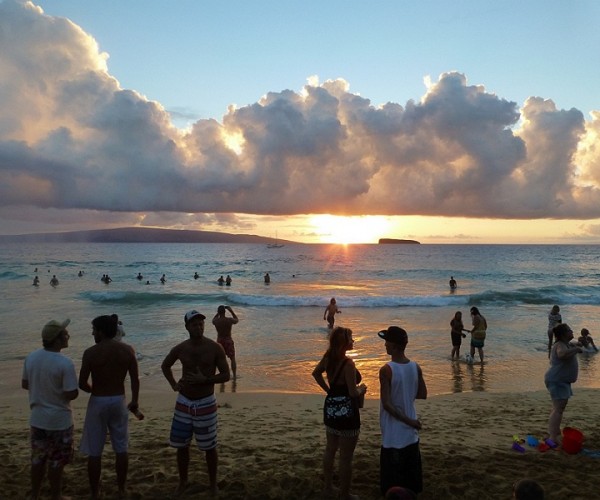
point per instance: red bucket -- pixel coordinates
(572, 440)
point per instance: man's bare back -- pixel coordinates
(222, 323)
(108, 362)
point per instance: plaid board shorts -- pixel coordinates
(54, 447)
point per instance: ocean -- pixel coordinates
(281, 334)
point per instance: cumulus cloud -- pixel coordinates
(72, 138)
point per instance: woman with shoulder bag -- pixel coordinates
(341, 412)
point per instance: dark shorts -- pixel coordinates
(53, 447)
(401, 467)
(477, 343)
(456, 339)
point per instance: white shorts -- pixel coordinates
(105, 414)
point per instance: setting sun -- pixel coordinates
(345, 230)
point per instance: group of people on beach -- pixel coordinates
(52, 383)
(478, 334)
(401, 382)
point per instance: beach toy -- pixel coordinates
(517, 447)
(543, 447)
(532, 440)
(572, 440)
(550, 443)
(517, 439)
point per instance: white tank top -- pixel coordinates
(404, 386)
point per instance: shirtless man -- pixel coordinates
(196, 406)
(330, 312)
(108, 363)
(223, 324)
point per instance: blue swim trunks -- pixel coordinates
(559, 390)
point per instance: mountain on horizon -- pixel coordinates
(138, 235)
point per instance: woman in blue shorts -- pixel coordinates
(562, 373)
(478, 333)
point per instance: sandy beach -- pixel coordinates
(271, 446)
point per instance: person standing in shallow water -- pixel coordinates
(330, 311)
(456, 334)
(478, 333)
(223, 325)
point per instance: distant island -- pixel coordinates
(139, 235)
(157, 235)
(393, 241)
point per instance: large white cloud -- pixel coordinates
(71, 137)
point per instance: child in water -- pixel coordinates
(457, 334)
(586, 341)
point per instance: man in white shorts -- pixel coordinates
(108, 363)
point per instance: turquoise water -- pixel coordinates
(281, 333)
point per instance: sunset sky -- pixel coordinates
(338, 121)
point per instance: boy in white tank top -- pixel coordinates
(401, 382)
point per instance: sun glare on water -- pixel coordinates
(347, 230)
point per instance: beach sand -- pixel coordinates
(271, 447)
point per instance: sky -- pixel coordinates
(340, 121)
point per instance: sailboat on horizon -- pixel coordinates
(276, 244)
